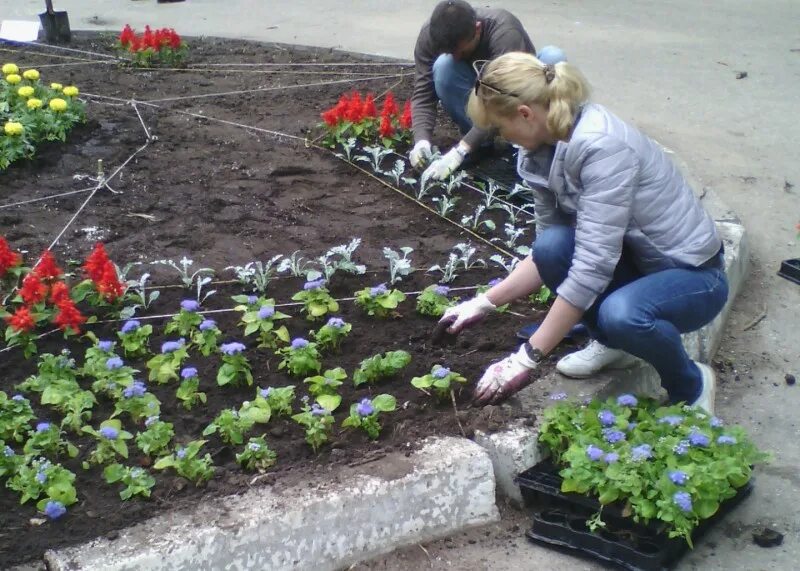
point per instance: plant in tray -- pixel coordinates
(235, 366)
(137, 481)
(317, 419)
(260, 318)
(187, 462)
(48, 440)
(110, 442)
(327, 383)
(155, 438)
(256, 455)
(135, 338)
(434, 300)
(137, 402)
(164, 367)
(230, 425)
(330, 335)
(440, 381)
(257, 275)
(379, 301)
(301, 358)
(674, 464)
(316, 299)
(188, 392)
(379, 367)
(38, 477)
(187, 319)
(364, 414)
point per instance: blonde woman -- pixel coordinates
(621, 238)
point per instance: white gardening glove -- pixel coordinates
(506, 377)
(446, 165)
(463, 315)
(420, 154)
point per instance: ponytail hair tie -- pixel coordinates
(549, 73)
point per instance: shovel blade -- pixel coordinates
(56, 27)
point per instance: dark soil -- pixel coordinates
(224, 195)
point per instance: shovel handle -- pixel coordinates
(49, 5)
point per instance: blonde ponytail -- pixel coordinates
(519, 78)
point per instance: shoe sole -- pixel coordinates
(705, 370)
(625, 362)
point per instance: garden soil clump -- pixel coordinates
(224, 195)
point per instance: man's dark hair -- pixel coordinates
(452, 22)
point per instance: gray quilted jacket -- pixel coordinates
(615, 185)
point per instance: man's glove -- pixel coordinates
(465, 314)
(443, 167)
(420, 154)
(506, 377)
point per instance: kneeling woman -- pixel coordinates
(621, 238)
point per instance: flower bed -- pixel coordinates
(224, 196)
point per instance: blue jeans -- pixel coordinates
(643, 315)
(453, 80)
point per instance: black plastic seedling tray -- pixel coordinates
(790, 269)
(560, 520)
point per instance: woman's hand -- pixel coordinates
(463, 315)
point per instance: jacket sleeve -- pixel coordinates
(608, 172)
(546, 210)
(423, 98)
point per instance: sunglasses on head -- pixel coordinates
(478, 66)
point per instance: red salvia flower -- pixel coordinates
(109, 285)
(126, 36)
(389, 106)
(355, 110)
(405, 118)
(8, 257)
(135, 45)
(386, 129)
(32, 290)
(47, 268)
(369, 110)
(331, 117)
(96, 263)
(174, 39)
(58, 292)
(69, 317)
(22, 320)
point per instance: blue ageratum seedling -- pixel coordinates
(16, 415)
(318, 420)
(206, 338)
(380, 367)
(38, 477)
(110, 442)
(440, 381)
(379, 301)
(230, 425)
(137, 481)
(327, 383)
(156, 437)
(187, 462)
(164, 367)
(316, 299)
(330, 335)
(135, 338)
(364, 415)
(301, 358)
(434, 300)
(48, 440)
(235, 366)
(260, 319)
(256, 455)
(188, 392)
(10, 461)
(137, 402)
(187, 320)
(279, 399)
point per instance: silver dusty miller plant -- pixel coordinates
(399, 263)
(256, 275)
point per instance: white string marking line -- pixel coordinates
(43, 54)
(84, 62)
(312, 64)
(261, 71)
(139, 115)
(2, 206)
(66, 49)
(273, 88)
(45, 334)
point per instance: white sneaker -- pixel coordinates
(593, 358)
(706, 398)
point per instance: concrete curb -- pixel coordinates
(516, 449)
(442, 488)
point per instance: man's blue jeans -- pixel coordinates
(643, 315)
(453, 81)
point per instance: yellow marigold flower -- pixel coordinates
(25, 91)
(10, 68)
(58, 105)
(34, 103)
(31, 74)
(14, 128)
(56, 86)
(71, 91)
(13, 79)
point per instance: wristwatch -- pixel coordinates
(533, 353)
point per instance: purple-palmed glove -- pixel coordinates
(464, 314)
(506, 377)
